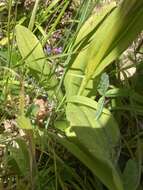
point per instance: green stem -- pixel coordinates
(32, 19)
(9, 49)
(33, 168)
(82, 86)
(55, 23)
(8, 31)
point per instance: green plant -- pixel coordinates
(112, 32)
(83, 116)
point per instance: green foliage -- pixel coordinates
(96, 138)
(131, 175)
(102, 88)
(31, 51)
(85, 36)
(106, 40)
(98, 47)
(20, 155)
(81, 130)
(24, 123)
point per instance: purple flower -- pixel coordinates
(48, 49)
(57, 50)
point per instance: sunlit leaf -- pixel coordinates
(84, 40)
(100, 106)
(31, 50)
(104, 44)
(32, 53)
(103, 84)
(24, 122)
(94, 140)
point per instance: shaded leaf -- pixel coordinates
(19, 157)
(131, 175)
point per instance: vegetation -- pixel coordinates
(71, 100)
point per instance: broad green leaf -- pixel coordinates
(92, 23)
(124, 25)
(84, 39)
(131, 175)
(97, 139)
(129, 19)
(89, 105)
(32, 53)
(31, 50)
(110, 37)
(103, 170)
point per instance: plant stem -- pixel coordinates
(33, 168)
(8, 31)
(32, 19)
(55, 23)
